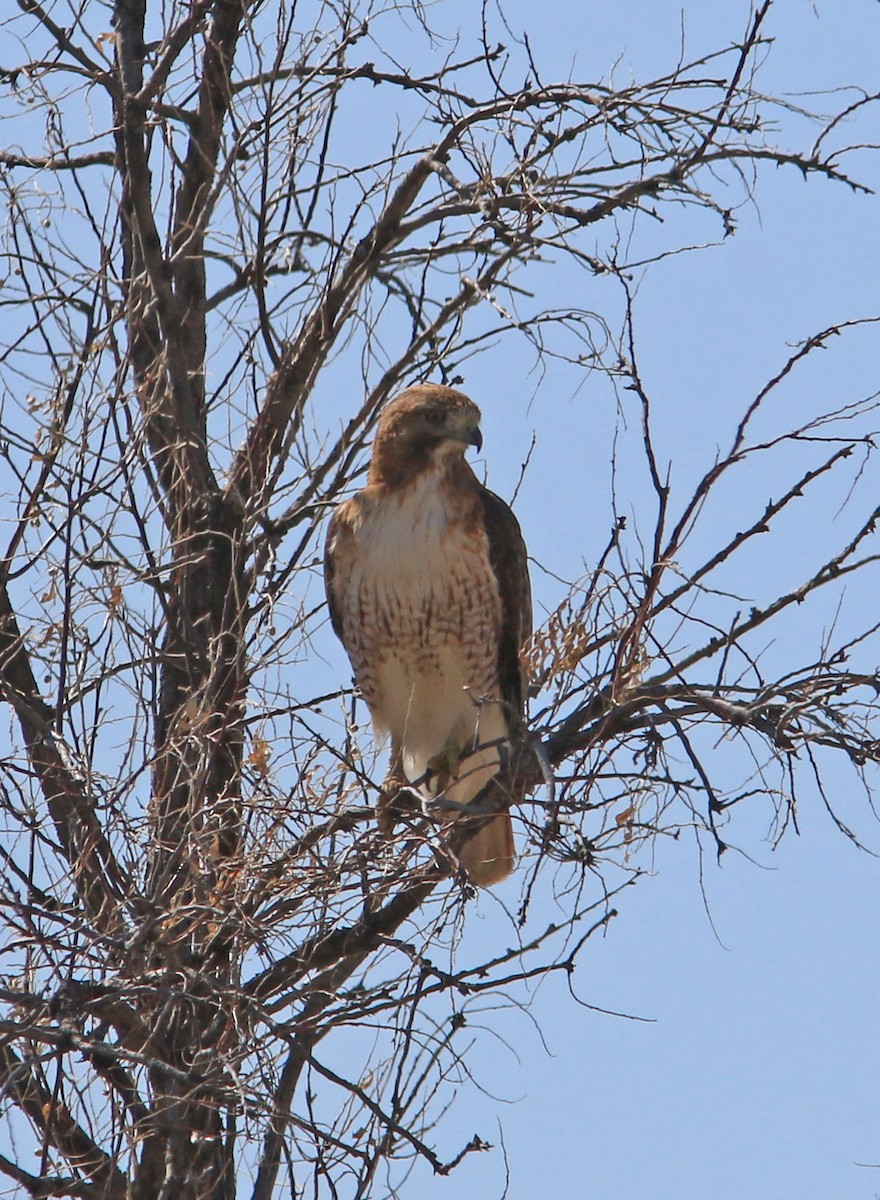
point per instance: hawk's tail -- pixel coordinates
(489, 856)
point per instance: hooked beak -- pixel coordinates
(476, 438)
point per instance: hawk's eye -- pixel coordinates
(435, 416)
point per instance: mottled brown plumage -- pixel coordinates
(428, 588)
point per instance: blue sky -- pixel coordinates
(753, 1072)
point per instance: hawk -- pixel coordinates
(428, 588)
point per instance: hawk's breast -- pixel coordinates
(421, 616)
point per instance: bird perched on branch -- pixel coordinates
(428, 587)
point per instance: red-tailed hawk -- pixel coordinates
(428, 587)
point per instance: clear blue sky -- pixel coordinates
(755, 1073)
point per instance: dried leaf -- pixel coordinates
(260, 755)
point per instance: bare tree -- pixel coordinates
(233, 230)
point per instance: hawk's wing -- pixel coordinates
(339, 535)
(509, 561)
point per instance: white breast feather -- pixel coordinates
(422, 616)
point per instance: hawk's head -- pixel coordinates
(425, 423)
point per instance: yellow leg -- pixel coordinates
(387, 809)
(443, 767)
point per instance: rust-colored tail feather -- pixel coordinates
(489, 856)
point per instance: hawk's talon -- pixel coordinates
(397, 799)
(443, 766)
(442, 806)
